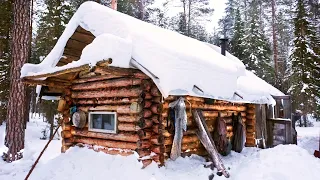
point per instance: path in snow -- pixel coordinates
(308, 138)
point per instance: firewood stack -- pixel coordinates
(250, 126)
(190, 142)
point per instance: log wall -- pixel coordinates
(190, 142)
(142, 117)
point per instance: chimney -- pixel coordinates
(223, 45)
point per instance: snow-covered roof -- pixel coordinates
(178, 65)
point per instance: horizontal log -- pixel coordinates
(111, 83)
(66, 134)
(121, 136)
(109, 101)
(120, 109)
(196, 99)
(128, 127)
(148, 96)
(158, 149)
(187, 146)
(251, 116)
(251, 106)
(185, 139)
(202, 106)
(105, 143)
(121, 92)
(47, 82)
(209, 114)
(112, 151)
(120, 71)
(190, 131)
(96, 78)
(251, 111)
(129, 118)
(250, 123)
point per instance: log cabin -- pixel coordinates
(115, 77)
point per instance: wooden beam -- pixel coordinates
(46, 83)
(65, 71)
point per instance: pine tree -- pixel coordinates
(304, 61)
(237, 47)
(15, 129)
(5, 27)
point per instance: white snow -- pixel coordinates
(308, 137)
(180, 65)
(284, 162)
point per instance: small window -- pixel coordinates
(105, 122)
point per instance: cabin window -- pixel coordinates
(104, 122)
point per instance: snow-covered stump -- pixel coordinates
(250, 126)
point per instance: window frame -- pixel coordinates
(115, 131)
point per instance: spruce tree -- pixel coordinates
(237, 47)
(304, 61)
(257, 54)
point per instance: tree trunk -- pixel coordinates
(305, 120)
(275, 43)
(189, 18)
(15, 131)
(141, 9)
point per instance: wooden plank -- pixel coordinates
(82, 37)
(258, 121)
(264, 122)
(287, 108)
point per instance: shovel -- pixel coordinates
(317, 153)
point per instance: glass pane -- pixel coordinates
(103, 121)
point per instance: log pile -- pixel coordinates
(250, 126)
(190, 142)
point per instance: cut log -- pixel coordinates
(105, 143)
(155, 119)
(155, 91)
(147, 113)
(49, 83)
(128, 127)
(147, 104)
(121, 136)
(122, 92)
(156, 108)
(64, 148)
(121, 82)
(145, 123)
(146, 85)
(144, 134)
(158, 140)
(67, 142)
(157, 149)
(66, 126)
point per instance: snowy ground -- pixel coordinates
(284, 162)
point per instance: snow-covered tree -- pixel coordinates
(304, 62)
(237, 46)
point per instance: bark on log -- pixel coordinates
(121, 82)
(67, 142)
(157, 149)
(122, 92)
(105, 143)
(108, 101)
(146, 85)
(148, 96)
(115, 152)
(147, 104)
(66, 134)
(155, 119)
(121, 136)
(66, 126)
(217, 107)
(129, 119)
(128, 127)
(185, 139)
(208, 114)
(145, 123)
(120, 109)
(120, 71)
(158, 140)
(96, 78)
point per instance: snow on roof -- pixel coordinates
(179, 65)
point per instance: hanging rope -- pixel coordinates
(45, 147)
